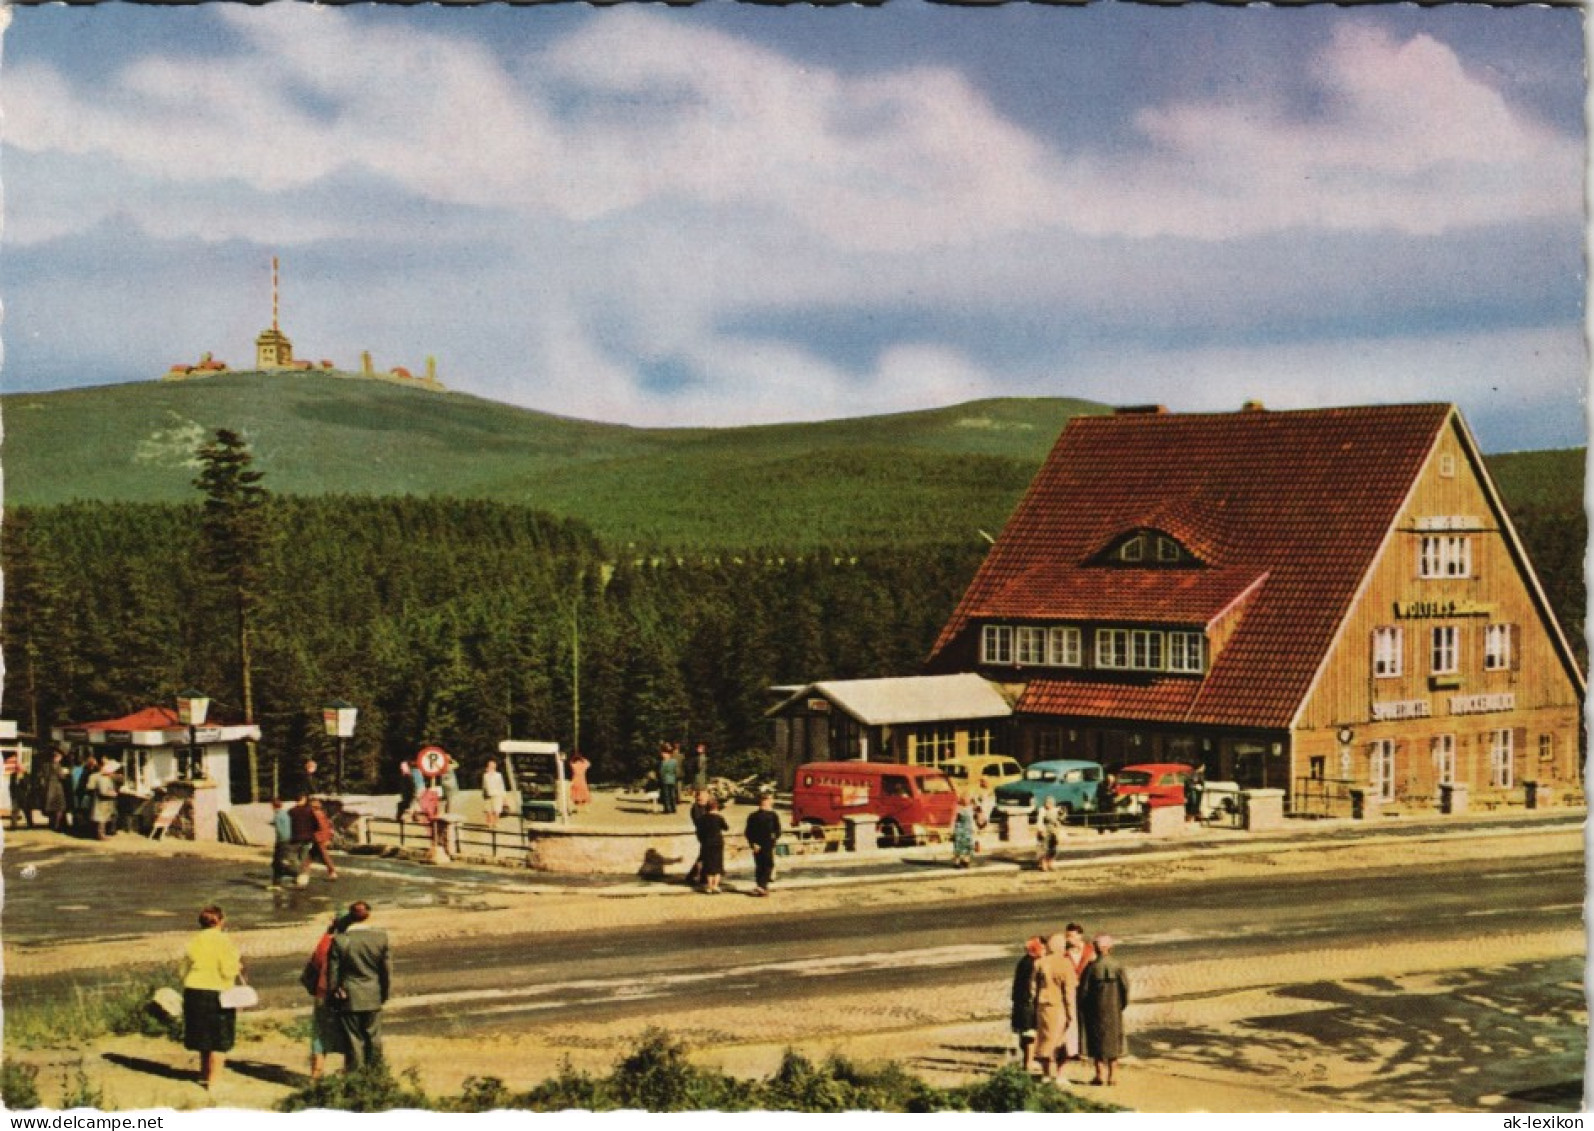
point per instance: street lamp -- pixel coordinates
(338, 719)
(192, 707)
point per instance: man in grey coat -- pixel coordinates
(359, 976)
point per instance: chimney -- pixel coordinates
(1253, 406)
(431, 369)
(365, 362)
(1141, 410)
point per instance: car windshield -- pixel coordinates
(955, 771)
(1040, 775)
(934, 785)
(1134, 777)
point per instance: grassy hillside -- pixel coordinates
(911, 477)
(932, 476)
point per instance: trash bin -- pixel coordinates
(1531, 794)
(1447, 798)
(1358, 804)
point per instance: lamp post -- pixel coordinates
(338, 719)
(192, 708)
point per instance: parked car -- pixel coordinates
(967, 773)
(1072, 784)
(901, 798)
(1160, 783)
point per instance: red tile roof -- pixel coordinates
(150, 718)
(1305, 498)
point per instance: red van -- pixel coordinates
(900, 797)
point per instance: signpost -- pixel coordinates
(433, 761)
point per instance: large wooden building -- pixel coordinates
(1317, 601)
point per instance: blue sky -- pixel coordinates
(733, 214)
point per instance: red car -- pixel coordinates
(1160, 783)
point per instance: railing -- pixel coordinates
(1322, 797)
(506, 841)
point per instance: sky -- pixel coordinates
(731, 214)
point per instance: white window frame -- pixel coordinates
(1064, 648)
(1444, 649)
(1546, 748)
(1389, 651)
(1444, 555)
(1497, 645)
(1167, 549)
(1112, 648)
(1187, 652)
(1133, 550)
(1381, 769)
(996, 644)
(1029, 645)
(1146, 648)
(980, 742)
(1444, 758)
(930, 746)
(1502, 761)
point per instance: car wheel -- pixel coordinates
(890, 834)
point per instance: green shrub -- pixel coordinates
(481, 1093)
(1011, 1088)
(659, 1077)
(19, 1086)
(568, 1091)
(372, 1087)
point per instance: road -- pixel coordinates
(1485, 1027)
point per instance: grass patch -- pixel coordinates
(86, 1014)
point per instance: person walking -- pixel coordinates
(284, 864)
(301, 834)
(1103, 997)
(359, 981)
(1023, 1015)
(52, 798)
(494, 796)
(1080, 954)
(78, 800)
(321, 839)
(669, 779)
(763, 831)
(711, 830)
(1193, 789)
(407, 791)
(580, 791)
(1055, 983)
(210, 964)
(326, 1032)
(964, 830)
(104, 788)
(450, 785)
(700, 800)
(700, 766)
(1049, 834)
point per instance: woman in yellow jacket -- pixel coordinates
(210, 965)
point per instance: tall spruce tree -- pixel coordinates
(237, 531)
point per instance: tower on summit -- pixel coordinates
(273, 350)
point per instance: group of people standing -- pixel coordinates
(301, 832)
(348, 976)
(672, 770)
(1069, 996)
(762, 831)
(75, 795)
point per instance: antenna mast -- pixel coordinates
(273, 292)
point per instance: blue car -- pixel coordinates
(1072, 784)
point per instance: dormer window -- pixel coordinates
(1146, 547)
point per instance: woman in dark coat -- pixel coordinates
(711, 830)
(1023, 1020)
(1103, 996)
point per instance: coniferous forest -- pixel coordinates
(463, 622)
(449, 621)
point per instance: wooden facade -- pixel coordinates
(1504, 706)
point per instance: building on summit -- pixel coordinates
(1317, 601)
(274, 354)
